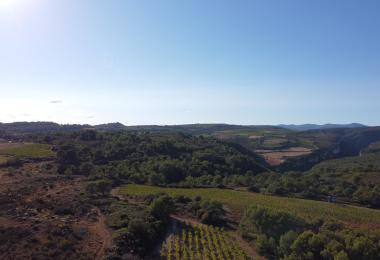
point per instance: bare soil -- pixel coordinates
(44, 216)
(277, 157)
(5, 145)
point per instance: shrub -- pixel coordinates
(272, 223)
(99, 186)
(212, 213)
(162, 207)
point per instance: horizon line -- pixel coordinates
(179, 124)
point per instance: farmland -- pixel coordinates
(276, 157)
(29, 150)
(237, 201)
(201, 242)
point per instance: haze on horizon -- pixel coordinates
(175, 62)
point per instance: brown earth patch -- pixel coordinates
(278, 156)
(254, 137)
(44, 216)
(5, 145)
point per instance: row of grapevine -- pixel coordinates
(201, 242)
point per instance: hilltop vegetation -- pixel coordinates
(152, 158)
(307, 127)
(324, 143)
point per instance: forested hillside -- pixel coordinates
(152, 158)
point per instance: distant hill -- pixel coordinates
(330, 141)
(51, 127)
(38, 127)
(195, 129)
(306, 127)
(332, 144)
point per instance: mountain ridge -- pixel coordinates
(198, 128)
(306, 127)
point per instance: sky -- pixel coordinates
(196, 61)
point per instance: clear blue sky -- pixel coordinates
(196, 61)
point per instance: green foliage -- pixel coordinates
(266, 246)
(212, 213)
(137, 227)
(290, 238)
(121, 213)
(286, 240)
(272, 223)
(162, 207)
(139, 236)
(152, 158)
(99, 186)
(354, 179)
(330, 178)
(67, 155)
(237, 201)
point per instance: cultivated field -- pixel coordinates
(28, 150)
(201, 242)
(237, 201)
(276, 157)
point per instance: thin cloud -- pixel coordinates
(56, 101)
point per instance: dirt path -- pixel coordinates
(247, 247)
(99, 238)
(101, 229)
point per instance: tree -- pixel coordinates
(172, 171)
(99, 186)
(309, 245)
(86, 169)
(260, 220)
(100, 158)
(88, 135)
(139, 236)
(361, 247)
(68, 155)
(341, 256)
(266, 246)
(286, 241)
(162, 207)
(156, 179)
(212, 213)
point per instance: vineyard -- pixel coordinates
(201, 242)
